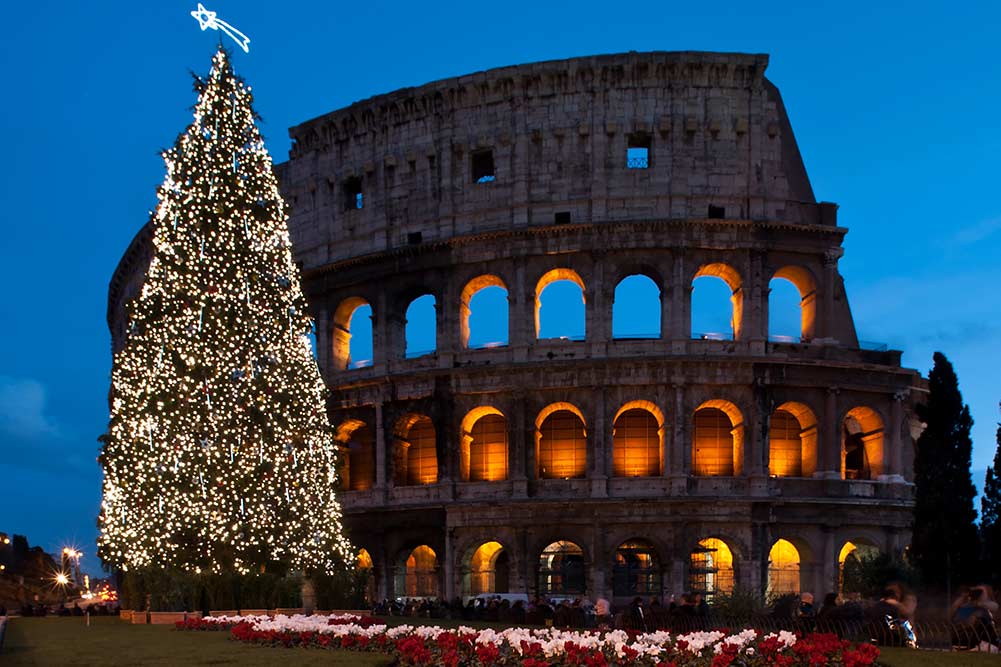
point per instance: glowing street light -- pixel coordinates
(62, 579)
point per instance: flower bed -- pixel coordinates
(523, 647)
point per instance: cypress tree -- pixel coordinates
(945, 545)
(990, 517)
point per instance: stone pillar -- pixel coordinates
(829, 448)
(381, 462)
(448, 565)
(829, 573)
(599, 447)
(597, 570)
(825, 328)
(895, 462)
(681, 456)
(519, 447)
(681, 307)
(521, 313)
(598, 309)
(380, 332)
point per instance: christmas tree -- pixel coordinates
(219, 456)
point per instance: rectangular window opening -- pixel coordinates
(638, 151)
(415, 238)
(716, 212)
(353, 197)
(561, 218)
(483, 166)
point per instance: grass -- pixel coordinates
(110, 641)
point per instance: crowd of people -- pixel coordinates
(888, 619)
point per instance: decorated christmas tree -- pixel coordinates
(219, 456)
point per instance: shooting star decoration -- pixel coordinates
(207, 19)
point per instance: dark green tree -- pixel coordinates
(945, 547)
(990, 517)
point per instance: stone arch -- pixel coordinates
(649, 306)
(711, 568)
(562, 569)
(341, 334)
(638, 440)
(356, 444)
(732, 278)
(417, 572)
(806, 284)
(850, 556)
(364, 563)
(560, 442)
(784, 568)
(862, 442)
(718, 439)
(468, 292)
(484, 445)
(636, 569)
(547, 279)
(792, 441)
(420, 328)
(415, 451)
(487, 568)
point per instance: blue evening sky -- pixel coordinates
(894, 108)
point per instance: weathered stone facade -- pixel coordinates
(386, 207)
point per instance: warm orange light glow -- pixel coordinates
(422, 454)
(364, 560)
(862, 444)
(561, 442)
(422, 572)
(845, 552)
(356, 444)
(718, 442)
(711, 567)
(636, 443)
(484, 449)
(783, 568)
(483, 568)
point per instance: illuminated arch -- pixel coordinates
(355, 441)
(635, 570)
(792, 441)
(850, 560)
(718, 440)
(341, 336)
(484, 445)
(560, 442)
(862, 442)
(470, 290)
(783, 569)
(420, 330)
(731, 277)
(562, 569)
(363, 561)
(710, 570)
(420, 575)
(489, 569)
(547, 279)
(637, 440)
(416, 451)
(643, 296)
(807, 287)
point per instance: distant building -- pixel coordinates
(602, 466)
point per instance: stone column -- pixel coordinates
(829, 448)
(519, 447)
(893, 446)
(380, 333)
(521, 313)
(681, 456)
(599, 447)
(828, 563)
(598, 309)
(381, 462)
(681, 307)
(825, 327)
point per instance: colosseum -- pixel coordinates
(599, 464)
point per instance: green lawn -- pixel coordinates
(109, 641)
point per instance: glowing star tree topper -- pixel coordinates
(207, 19)
(219, 455)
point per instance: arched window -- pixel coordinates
(489, 569)
(851, 578)
(792, 441)
(561, 569)
(562, 443)
(718, 442)
(422, 573)
(862, 444)
(352, 334)
(483, 313)
(717, 303)
(359, 473)
(783, 569)
(636, 310)
(559, 305)
(635, 569)
(416, 460)
(484, 445)
(792, 305)
(421, 329)
(711, 568)
(636, 443)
